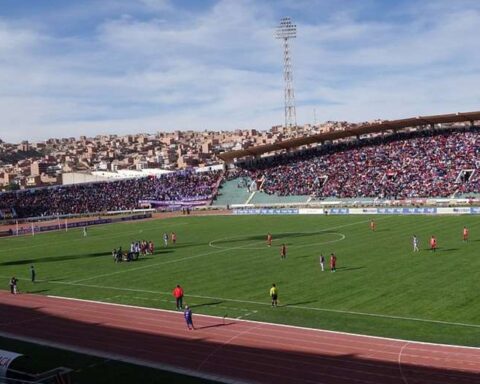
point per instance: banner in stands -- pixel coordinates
(338, 211)
(266, 211)
(6, 357)
(186, 202)
(360, 211)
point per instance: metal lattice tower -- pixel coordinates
(285, 31)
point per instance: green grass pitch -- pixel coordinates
(381, 287)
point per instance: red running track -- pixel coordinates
(234, 351)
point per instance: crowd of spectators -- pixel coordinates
(111, 196)
(403, 165)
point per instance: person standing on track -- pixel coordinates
(187, 314)
(178, 294)
(283, 251)
(274, 295)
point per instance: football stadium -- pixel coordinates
(342, 224)
(309, 253)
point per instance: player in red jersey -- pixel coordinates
(174, 238)
(333, 262)
(433, 243)
(373, 225)
(269, 239)
(465, 233)
(283, 251)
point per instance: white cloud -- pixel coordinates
(220, 68)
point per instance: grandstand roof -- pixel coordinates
(361, 130)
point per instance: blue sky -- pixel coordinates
(71, 68)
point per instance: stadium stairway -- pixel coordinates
(230, 193)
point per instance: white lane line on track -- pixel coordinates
(220, 346)
(412, 342)
(125, 359)
(400, 363)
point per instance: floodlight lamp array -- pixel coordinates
(286, 30)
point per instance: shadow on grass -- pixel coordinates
(345, 269)
(276, 237)
(53, 259)
(206, 304)
(298, 303)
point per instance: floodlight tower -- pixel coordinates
(285, 31)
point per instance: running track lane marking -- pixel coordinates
(273, 324)
(194, 256)
(121, 358)
(220, 346)
(400, 362)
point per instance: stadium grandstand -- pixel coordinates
(422, 157)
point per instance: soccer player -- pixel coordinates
(283, 251)
(415, 243)
(269, 239)
(373, 225)
(465, 233)
(84, 231)
(174, 238)
(165, 239)
(178, 294)
(322, 262)
(433, 243)
(187, 314)
(13, 285)
(274, 295)
(333, 262)
(32, 273)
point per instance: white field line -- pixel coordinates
(100, 226)
(274, 324)
(329, 310)
(197, 256)
(200, 255)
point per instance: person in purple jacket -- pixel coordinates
(187, 314)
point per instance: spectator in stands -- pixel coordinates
(112, 196)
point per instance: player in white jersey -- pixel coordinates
(165, 239)
(415, 243)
